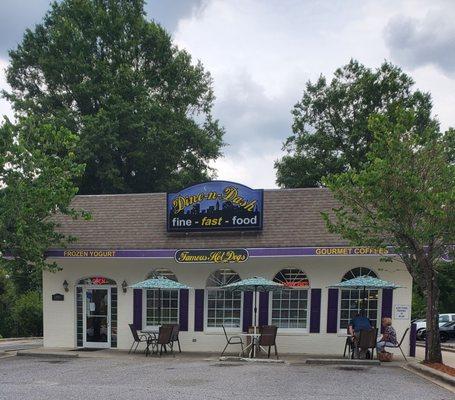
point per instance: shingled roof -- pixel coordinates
(138, 221)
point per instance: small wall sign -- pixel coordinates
(211, 256)
(402, 311)
(58, 297)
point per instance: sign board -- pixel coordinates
(402, 311)
(211, 256)
(215, 206)
(58, 297)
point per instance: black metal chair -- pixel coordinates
(398, 346)
(138, 339)
(231, 340)
(175, 335)
(268, 338)
(367, 340)
(165, 339)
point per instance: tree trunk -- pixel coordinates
(433, 341)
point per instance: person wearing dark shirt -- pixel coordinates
(359, 323)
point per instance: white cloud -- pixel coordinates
(261, 53)
(5, 108)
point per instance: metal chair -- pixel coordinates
(367, 340)
(165, 339)
(398, 346)
(231, 340)
(268, 338)
(175, 335)
(138, 339)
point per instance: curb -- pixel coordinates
(336, 361)
(252, 360)
(26, 353)
(433, 373)
(15, 339)
(443, 348)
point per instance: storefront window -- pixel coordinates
(223, 307)
(352, 299)
(168, 313)
(290, 305)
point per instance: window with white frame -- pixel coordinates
(353, 300)
(162, 306)
(290, 306)
(223, 307)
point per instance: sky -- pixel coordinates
(262, 52)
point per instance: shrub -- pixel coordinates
(27, 314)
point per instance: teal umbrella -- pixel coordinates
(255, 284)
(160, 283)
(365, 283)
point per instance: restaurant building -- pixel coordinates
(206, 236)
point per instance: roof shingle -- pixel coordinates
(138, 221)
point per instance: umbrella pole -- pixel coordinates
(254, 321)
(159, 306)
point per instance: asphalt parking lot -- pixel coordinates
(140, 378)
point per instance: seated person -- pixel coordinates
(358, 323)
(389, 337)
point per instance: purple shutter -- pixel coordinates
(332, 311)
(199, 310)
(183, 310)
(247, 310)
(315, 312)
(137, 308)
(387, 301)
(413, 340)
(264, 308)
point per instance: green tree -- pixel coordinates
(7, 297)
(38, 167)
(405, 197)
(27, 314)
(142, 109)
(330, 128)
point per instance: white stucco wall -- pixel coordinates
(60, 317)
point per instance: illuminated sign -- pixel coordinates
(290, 284)
(215, 206)
(347, 251)
(211, 256)
(89, 253)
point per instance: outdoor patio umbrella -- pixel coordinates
(255, 284)
(365, 283)
(160, 283)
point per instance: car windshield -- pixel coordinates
(444, 318)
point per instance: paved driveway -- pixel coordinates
(139, 378)
(13, 345)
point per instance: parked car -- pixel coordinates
(421, 324)
(446, 332)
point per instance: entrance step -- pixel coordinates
(339, 361)
(44, 353)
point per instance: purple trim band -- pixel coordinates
(253, 252)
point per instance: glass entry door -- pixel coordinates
(97, 315)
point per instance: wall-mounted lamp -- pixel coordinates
(65, 285)
(124, 286)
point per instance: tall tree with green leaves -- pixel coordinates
(38, 167)
(404, 196)
(141, 107)
(330, 127)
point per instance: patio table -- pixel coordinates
(254, 344)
